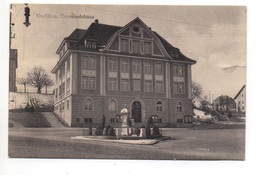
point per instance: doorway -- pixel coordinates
(136, 112)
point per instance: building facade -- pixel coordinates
(105, 68)
(240, 99)
(12, 70)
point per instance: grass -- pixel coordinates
(30, 120)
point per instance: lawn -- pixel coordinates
(29, 120)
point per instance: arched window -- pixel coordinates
(89, 105)
(112, 105)
(179, 107)
(159, 106)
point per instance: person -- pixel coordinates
(103, 122)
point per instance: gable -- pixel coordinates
(136, 39)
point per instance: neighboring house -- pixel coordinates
(12, 70)
(240, 99)
(105, 68)
(224, 103)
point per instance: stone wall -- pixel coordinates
(18, 100)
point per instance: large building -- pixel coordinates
(12, 70)
(105, 68)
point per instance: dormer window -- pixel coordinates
(90, 44)
(175, 54)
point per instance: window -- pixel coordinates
(112, 120)
(147, 48)
(90, 44)
(124, 45)
(112, 84)
(112, 105)
(56, 93)
(137, 85)
(68, 85)
(112, 66)
(63, 70)
(88, 83)
(77, 120)
(124, 64)
(158, 69)
(124, 85)
(159, 106)
(159, 87)
(68, 64)
(148, 68)
(68, 104)
(148, 86)
(87, 120)
(188, 119)
(136, 47)
(178, 88)
(88, 105)
(136, 66)
(178, 70)
(159, 120)
(179, 120)
(88, 62)
(179, 107)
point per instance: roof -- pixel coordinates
(98, 32)
(101, 33)
(240, 91)
(76, 34)
(169, 48)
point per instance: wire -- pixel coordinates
(161, 19)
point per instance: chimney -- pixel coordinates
(96, 21)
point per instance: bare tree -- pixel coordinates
(38, 78)
(23, 81)
(196, 91)
(48, 83)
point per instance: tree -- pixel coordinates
(38, 78)
(196, 91)
(48, 83)
(23, 81)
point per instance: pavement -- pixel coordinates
(125, 141)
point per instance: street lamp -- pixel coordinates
(27, 14)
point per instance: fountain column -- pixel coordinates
(125, 125)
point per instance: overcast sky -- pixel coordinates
(214, 36)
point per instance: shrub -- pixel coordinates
(99, 131)
(107, 128)
(137, 131)
(111, 131)
(148, 131)
(156, 130)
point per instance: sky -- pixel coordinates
(214, 36)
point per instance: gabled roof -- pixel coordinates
(103, 33)
(240, 91)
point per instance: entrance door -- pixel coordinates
(136, 112)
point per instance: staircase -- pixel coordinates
(220, 116)
(52, 120)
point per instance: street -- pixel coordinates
(184, 144)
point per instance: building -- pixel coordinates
(224, 103)
(12, 70)
(105, 68)
(240, 99)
